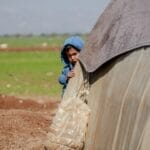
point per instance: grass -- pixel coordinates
(32, 41)
(25, 41)
(30, 73)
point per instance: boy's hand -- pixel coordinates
(71, 74)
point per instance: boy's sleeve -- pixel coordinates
(63, 77)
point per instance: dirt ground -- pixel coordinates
(24, 123)
(19, 49)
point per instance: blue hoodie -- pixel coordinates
(78, 44)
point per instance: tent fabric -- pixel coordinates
(68, 129)
(123, 26)
(119, 99)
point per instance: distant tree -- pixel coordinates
(6, 35)
(17, 35)
(43, 34)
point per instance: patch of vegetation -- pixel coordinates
(34, 72)
(34, 41)
(30, 73)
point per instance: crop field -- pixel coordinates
(30, 73)
(30, 66)
(32, 41)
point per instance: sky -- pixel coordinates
(49, 16)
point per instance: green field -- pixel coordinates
(30, 73)
(25, 41)
(32, 41)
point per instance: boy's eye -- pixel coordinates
(72, 54)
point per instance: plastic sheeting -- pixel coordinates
(69, 125)
(119, 99)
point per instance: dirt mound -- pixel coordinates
(24, 124)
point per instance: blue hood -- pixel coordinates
(74, 41)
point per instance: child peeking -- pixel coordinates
(69, 55)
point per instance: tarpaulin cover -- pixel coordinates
(69, 125)
(123, 26)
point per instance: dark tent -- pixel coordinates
(116, 62)
(113, 78)
(123, 26)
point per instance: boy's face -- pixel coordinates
(72, 55)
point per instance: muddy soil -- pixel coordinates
(24, 123)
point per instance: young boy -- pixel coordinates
(69, 54)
